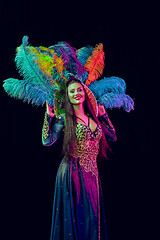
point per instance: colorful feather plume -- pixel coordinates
(45, 72)
(36, 66)
(95, 64)
(31, 66)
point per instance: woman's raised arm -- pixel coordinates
(51, 134)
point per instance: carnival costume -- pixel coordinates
(78, 212)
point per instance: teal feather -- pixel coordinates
(114, 100)
(27, 91)
(28, 69)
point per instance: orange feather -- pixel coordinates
(95, 64)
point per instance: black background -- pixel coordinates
(129, 33)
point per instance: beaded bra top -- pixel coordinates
(86, 147)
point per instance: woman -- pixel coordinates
(78, 212)
(47, 74)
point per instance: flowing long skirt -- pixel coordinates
(78, 209)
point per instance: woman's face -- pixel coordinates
(76, 93)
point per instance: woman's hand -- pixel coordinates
(101, 110)
(49, 110)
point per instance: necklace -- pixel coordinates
(83, 121)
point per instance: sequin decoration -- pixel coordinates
(86, 147)
(45, 128)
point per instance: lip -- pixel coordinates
(77, 98)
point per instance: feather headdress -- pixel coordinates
(46, 71)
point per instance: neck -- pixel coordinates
(79, 110)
